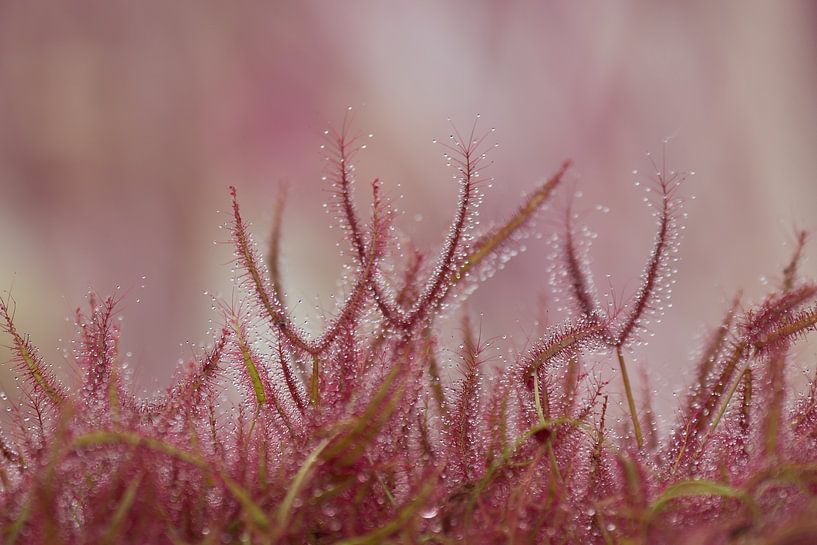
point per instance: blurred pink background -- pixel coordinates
(122, 123)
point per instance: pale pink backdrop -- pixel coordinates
(122, 123)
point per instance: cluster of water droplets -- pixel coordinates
(659, 275)
(569, 250)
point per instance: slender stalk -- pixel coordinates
(628, 391)
(746, 372)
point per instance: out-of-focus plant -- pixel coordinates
(357, 435)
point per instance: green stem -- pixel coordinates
(630, 399)
(722, 409)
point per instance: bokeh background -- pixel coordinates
(122, 123)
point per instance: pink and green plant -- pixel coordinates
(358, 435)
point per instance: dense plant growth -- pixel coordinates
(359, 435)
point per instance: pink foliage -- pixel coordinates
(359, 435)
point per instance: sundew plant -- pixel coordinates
(359, 434)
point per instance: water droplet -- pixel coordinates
(429, 512)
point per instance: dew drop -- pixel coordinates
(429, 512)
